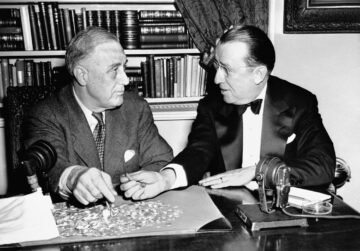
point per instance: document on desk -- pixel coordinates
(172, 213)
(26, 218)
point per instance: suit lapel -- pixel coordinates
(82, 137)
(115, 140)
(277, 122)
(228, 125)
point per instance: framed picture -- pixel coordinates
(322, 16)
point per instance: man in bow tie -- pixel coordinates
(228, 139)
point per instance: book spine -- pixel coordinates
(73, 22)
(160, 21)
(37, 74)
(158, 78)
(41, 36)
(50, 18)
(79, 21)
(33, 25)
(161, 29)
(26, 29)
(159, 14)
(182, 76)
(107, 20)
(117, 23)
(2, 91)
(194, 77)
(62, 29)
(145, 73)
(84, 19)
(152, 74)
(90, 19)
(164, 46)
(20, 72)
(29, 80)
(13, 74)
(99, 19)
(10, 30)
(171, 74)
(45, 26)
(5, 74)
(67, 22)
(165, 38)
(57, 26)
(162, 79)
(11, 38)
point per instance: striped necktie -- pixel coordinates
(99, 136)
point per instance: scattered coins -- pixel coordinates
(73, 221)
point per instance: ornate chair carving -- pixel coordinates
(17, 103)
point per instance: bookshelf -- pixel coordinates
(184, 104)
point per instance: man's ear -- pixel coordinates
(81, 75)
(260, 73)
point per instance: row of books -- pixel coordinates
(173, 77)
(24, 73)
(155, 78)
(11, 36)
(46, 26)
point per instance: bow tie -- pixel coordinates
(254, 105)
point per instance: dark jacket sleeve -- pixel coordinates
(202, 150)
(155, 152)
(311, 155)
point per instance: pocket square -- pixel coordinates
(291, 138)
(128, 155)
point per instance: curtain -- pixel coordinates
(206, 20)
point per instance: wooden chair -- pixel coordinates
(18, 102)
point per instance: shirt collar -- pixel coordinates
(88, 113)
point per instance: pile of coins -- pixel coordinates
(73, 221)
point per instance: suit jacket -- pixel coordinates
(60, 121)
(288, 110)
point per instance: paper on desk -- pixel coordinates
(26, 218)
(198, 210)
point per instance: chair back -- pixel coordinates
(18, 102)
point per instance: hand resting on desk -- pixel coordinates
(236, 177)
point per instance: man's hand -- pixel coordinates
(90, 184)
(236, 177)
(146, 184)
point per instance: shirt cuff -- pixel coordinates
(64, 191)
(180, 179)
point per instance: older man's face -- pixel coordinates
(234, 77)
(106, 76)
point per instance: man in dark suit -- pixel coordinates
(98, 130)
(228, 138)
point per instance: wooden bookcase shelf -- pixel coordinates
(135, 56)
(133, 52)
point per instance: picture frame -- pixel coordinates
(322, 16)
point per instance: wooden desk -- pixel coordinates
(320, 235)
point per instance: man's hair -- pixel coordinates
(83, 44)
(261, 49)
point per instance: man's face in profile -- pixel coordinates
(106, 75)
(233, 74)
